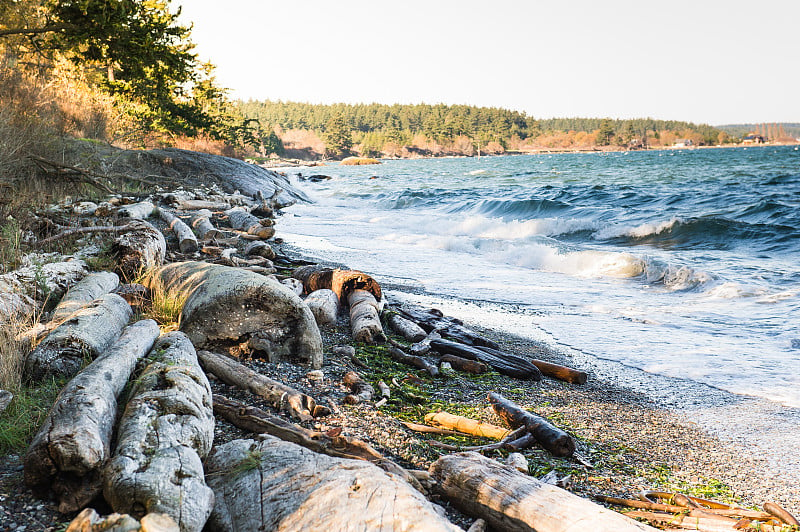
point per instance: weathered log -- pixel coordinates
(139, 211)
(164, 434)
(466, 425)
(197, 205)
(68, 453)
(660, 507)
(86, 333)
(250, 480)
(555, 440)
(244, 221)
(365, 322)
(448, 327)
(84, 231)
(518, 462)
(778, 511)
(479, 525)
(386, 392)
(511, 501)
(279, 395)
(423, 347)
(324, 306)
(90, 521)
(314, 277)
(463, 364)
(345, 282)
(201, 223)
(510, 365)
(259, 248)
(20, 289)
(293, 284)
(230, 304)
(549, 369)
(361, 391)
(87, 289)
(139, 250)
(427, 429)
(187, 242)
(415, 361)
(692, 521)
(405, 327)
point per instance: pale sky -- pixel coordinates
(702, 61)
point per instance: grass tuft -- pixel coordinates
(165, 305)
(26, 413)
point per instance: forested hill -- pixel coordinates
(789, 129)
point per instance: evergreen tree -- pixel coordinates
(338, 138)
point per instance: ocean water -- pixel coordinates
(681, 263)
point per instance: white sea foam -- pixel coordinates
(484, 227)
(637, 231)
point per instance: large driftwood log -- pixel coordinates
(90, 521)
(433, 319)
(464, 364)
(229, 304)
(549, 369)
(466, 425)
(22, 288)
(86, 333)
(508, 364)
(244, 221)
(274, 485)
(555, 440)
(164, 434)
(68, 453)
(201, 222)
(511, 501)
(87, 289)
(418, 362)
(343, 282)
(324, 306)
(187, 242)
(279, 395)
(405, 327)
(365, 321)
(259, 248)
(138, 250)
(140, 211)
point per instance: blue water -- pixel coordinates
(682, 263)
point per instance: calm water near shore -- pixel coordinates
(680, 263)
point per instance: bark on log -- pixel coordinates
(555, 440)
(139, 211)
(365, 322)
(187, 242)
(511, 501)
(345, 282)
(433, 319)
(259, 248)
(201, 223)
(466, 425)
(324, 306)
(314, 277)
(406, 328)
(250, 480)
(86, 333)
(139, 250)
(87, 289)
(463, 364)
(361, 391)
(67, 455)
(244, 221)
(415, 361)
(508, 364)
(229, 304)
(549, 369)
(164, 434)
(279, 395)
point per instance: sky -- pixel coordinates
(703, 61)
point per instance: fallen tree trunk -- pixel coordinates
(250, 480)
(510, 365)
(360, 390)
(187, 242)
(549, 369)
(511, 501)
(324, 306)
(88, 332)
(87, 289)
(259, 248)
(364, 320)
(201, 222)
(342, 282)
(555, 440)
(463, 364)
(279, 395)
(138, 250)
(67, 455)
(466, 425)
(415, 361)
(139, 211)
(405, 328)
(433, 319)
(20, 289)
(225, 304)
(244, 221)
(164, 434)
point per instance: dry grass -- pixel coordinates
(165, 305)
(356, 161)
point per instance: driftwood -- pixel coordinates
(225, 304)
(68, 453)
(343, 282)
(508, 364)
(673, 508)
(139, 211)
(549, 369)
(466, 425)
(511, 501)
(423, 347)
(555, 440)
(361, 391)
(427, 429)
(20, 289)
(85, 334)
(411, 360)
(386, 392)
(405, 328)
(138, 250)
(279, 395)
(694, 520)
(197, 205)
(69, 172)
(365, 322)
(187, 242)
(83, 231)
(244, 221)
(251, 481)
(463, 364)
(201, 223)
(87, 289)
(324, 306)
(164, 434)
(89, 521)
(259, 248)
(433, 319)
(292, 284)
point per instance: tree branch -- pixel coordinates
(35, 31)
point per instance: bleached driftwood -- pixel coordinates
(164, 434)
(20, 289)
(466, 425)
(90, 521)
(196, 205)
(139, 211)
(250, 480)
(406, 328)
(87, 289)
(324, 306)
(68, 453)
(187, 242)
(293, 284)
(201, 222)
(511, 501)
(86, 333)
(365, 322)
(279, 395)
(230, 304)
(139, 250)
(259, 248)
(244, 221)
